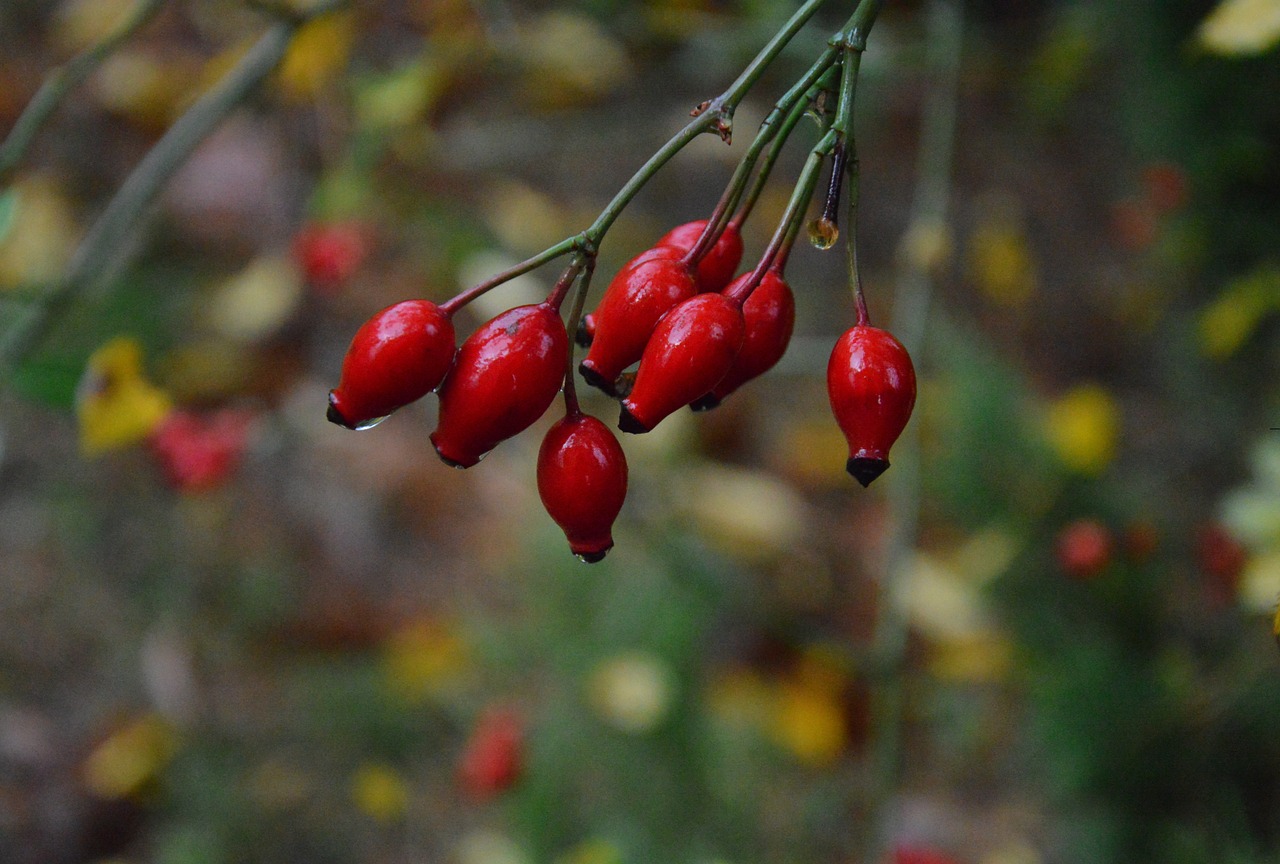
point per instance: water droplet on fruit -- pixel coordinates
(823, 233)
(369, 424)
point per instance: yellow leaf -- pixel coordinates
(82, 23)
(257, 300)
(123, 764)
(940, 603)
(1234, 315)
(116, 406)
(424, 658)
(570, 60)
(1260, 582)
(41, 234)
(378, 791)
(1000, 262)
(143, 88)
(524, 219)
(1083, 428)
(594, 851)
(401, 97)
(747, 514)
(1239, 27)
(926, 246)
(810, 724)
(982, 658)
(318, 55)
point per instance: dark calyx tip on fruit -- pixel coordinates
(628, 422)
(864, 469)
(595, 379)
(334, 415)
(705, 403)
(583, 336)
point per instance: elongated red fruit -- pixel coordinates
(770, 317)
(717, 267)
(635, 300)
(872, 386)
(396, 357)
(582, 479)
(505, 377)
(691, 350)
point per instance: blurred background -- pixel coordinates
(233, 632)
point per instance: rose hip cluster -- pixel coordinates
(675, 312)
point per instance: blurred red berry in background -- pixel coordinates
(494, 754)
(1084, 548)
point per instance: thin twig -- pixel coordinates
(62, 81)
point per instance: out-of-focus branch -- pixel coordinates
(106, 244)
(62, 81)
(913, 293)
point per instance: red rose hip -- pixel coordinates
(636, 299)
(493, 758)
(872, 386)
(691, 350)
(769, 314)
(505, 377)
(329, 253)
(396, 357)
(1084, 548)
(717, 267)
(582, 480)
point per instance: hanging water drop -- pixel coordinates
(823, 233)
(370, 423)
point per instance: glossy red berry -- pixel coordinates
(505, 377)
(717, 267)
(582, 479)
(398, 356)
(634, 302)
(691, 350)
(493, 758)
(769, 314)
(872, 386)
(329, 253)
(1084, 548)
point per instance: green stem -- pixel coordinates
(851, 235)
(731, 97)
(844, 127)
(795, 99)
(715, 114)
(564, 247)
(858, 27)
(575, 315)
(852, 40)
(798, 110)
(62, 81)
(795, 212)
(555, 299)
